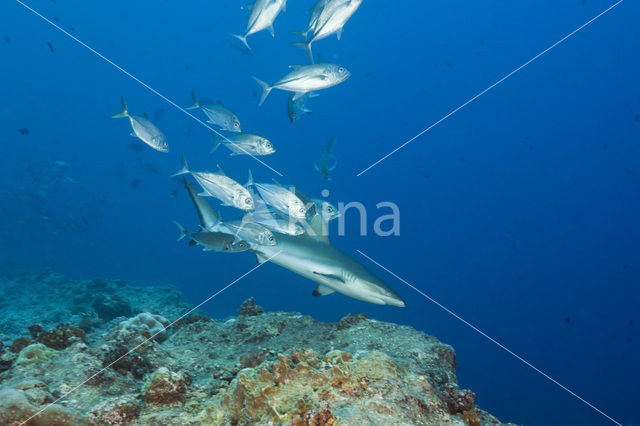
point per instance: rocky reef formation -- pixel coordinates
(104, 357)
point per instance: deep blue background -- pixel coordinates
(519, 213)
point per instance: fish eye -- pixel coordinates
(270, 237)
(247, 200)
(236, 125)
(340, 69)
(330, 209)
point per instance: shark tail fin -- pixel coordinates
(182, 232)
(307, 46)
(125, 110)
(243, 39)
(196, 102)
(265, 89)
(184, 169)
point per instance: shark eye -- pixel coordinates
(270, 237)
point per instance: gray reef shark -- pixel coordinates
(313, 257)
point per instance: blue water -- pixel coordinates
(519, 213)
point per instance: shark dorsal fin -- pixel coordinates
(322, 290)
(317, 229)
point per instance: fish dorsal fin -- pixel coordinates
(317, 231)
(295, 67)
(322, 290)
(221, 171)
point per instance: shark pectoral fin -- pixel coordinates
(330, 276)
(261, 258)
(322, 290)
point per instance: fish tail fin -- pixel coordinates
(250, 179)
(184, 169)
(196, 102)
(218, 141)
(243, 39)
(307, 46)
(125, 110)
(265, 89)
(316, 166)
(182, 232)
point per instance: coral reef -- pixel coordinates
(257, 368)
(143, 326)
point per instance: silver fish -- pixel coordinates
(218, 115)
(327, 210)
(218, 185)
(213, 241)
(245, 144)
(253, 233)
(144, 129)
(263, 13)
(297, 108)
(280, 199)
(306, 78)
(314, 257)
(331, 20)
(327, 163)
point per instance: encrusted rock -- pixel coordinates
(35, 354)
(62, 337)
(249, 308)
(113, 411)
(146, 325)
(15, 409)
(164, 387)
(112, 306)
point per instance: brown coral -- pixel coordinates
(62, 337)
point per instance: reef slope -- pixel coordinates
(256, 368)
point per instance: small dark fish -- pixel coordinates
(567, 320)
(135, 183)
(628, 170)
(50, 47)
(7, 39)
(174, 193)
(24, 131)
